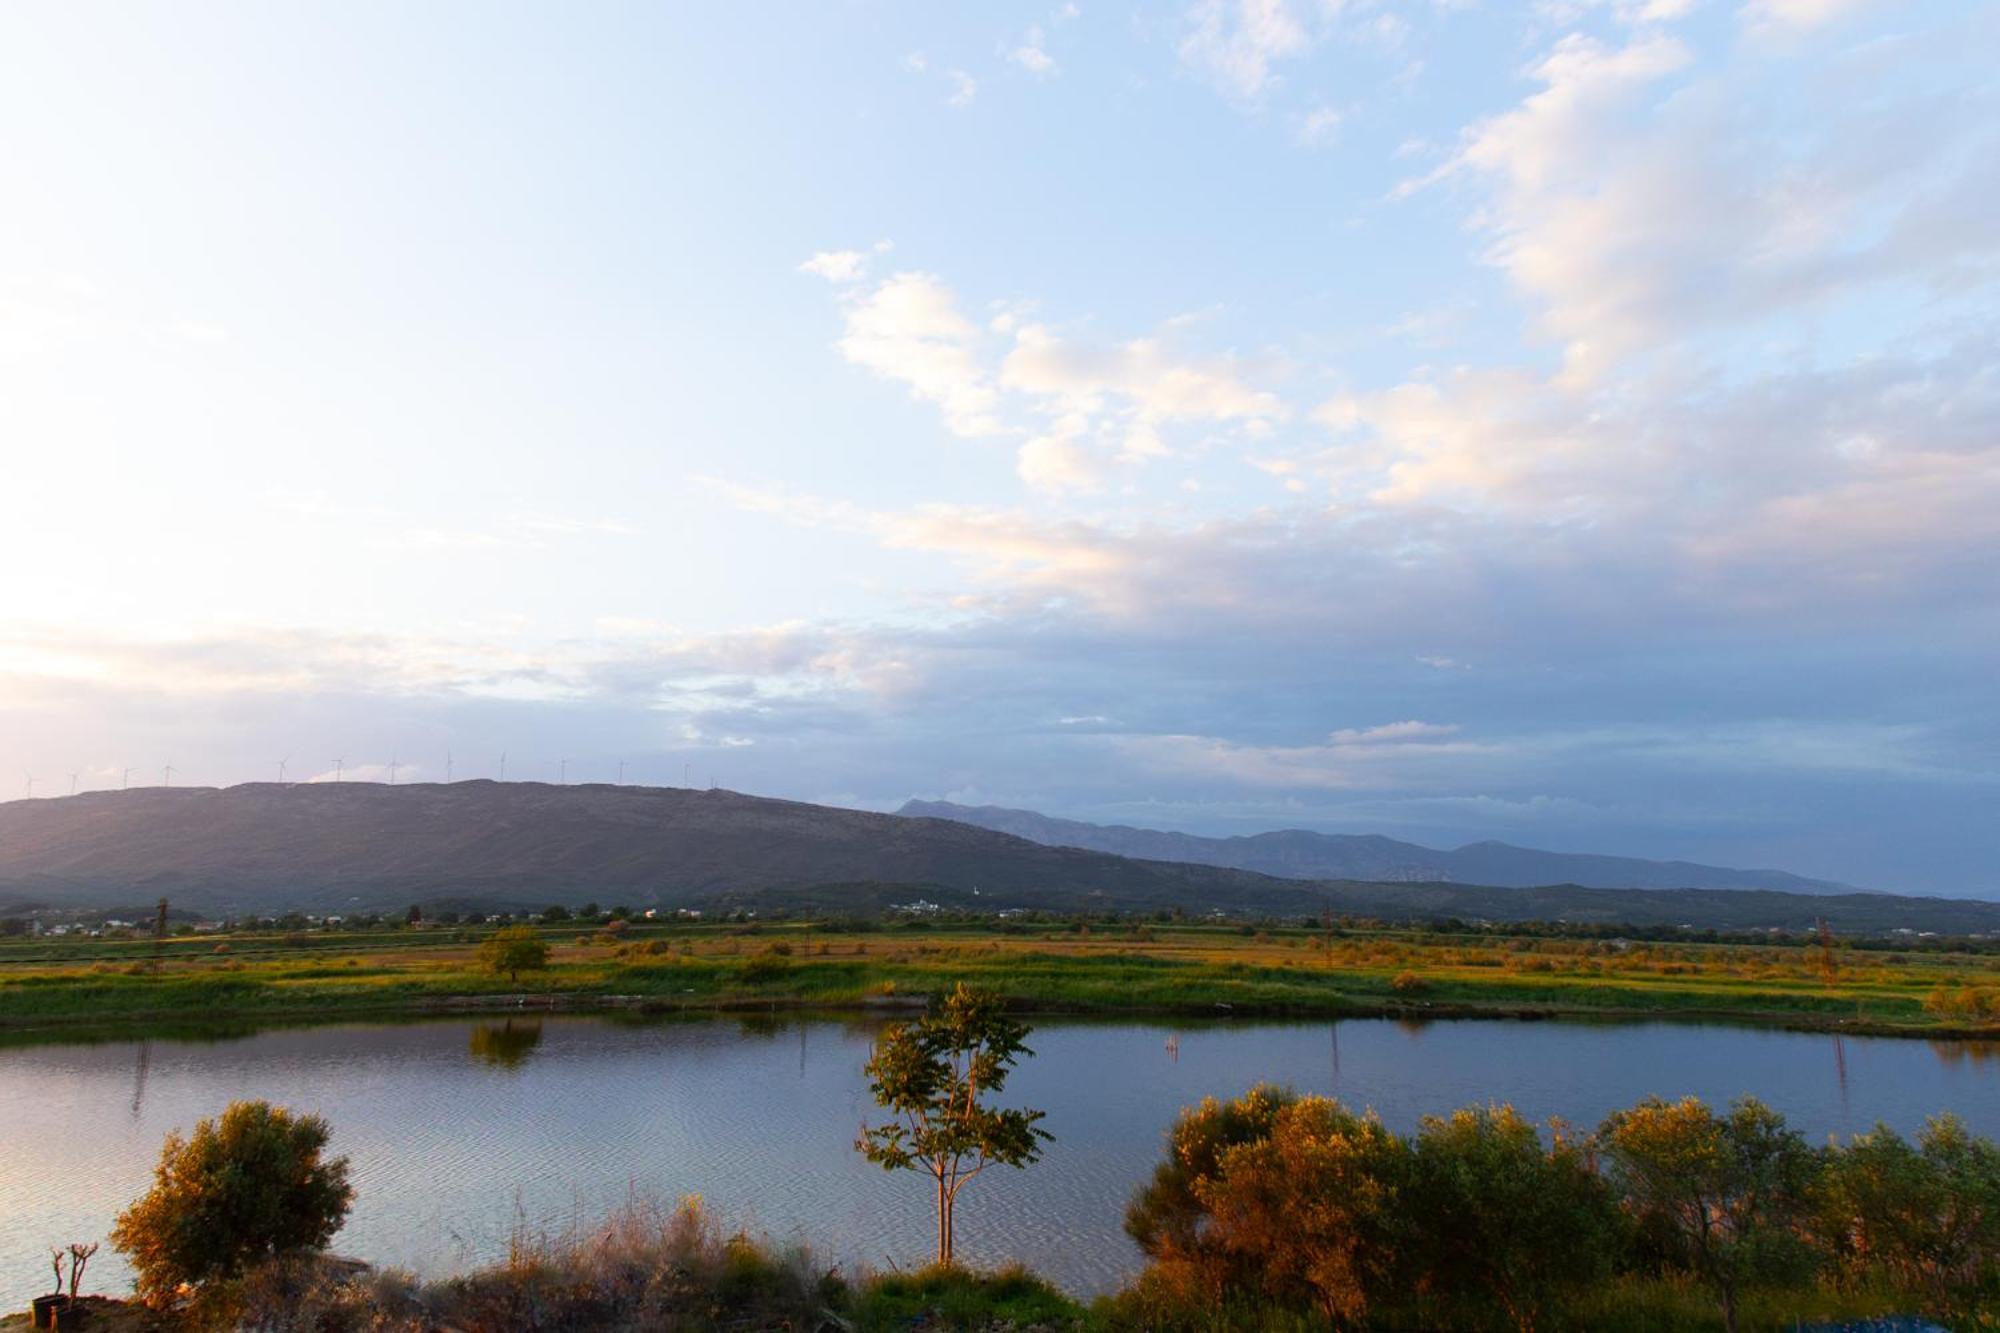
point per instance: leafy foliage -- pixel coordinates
(930, 1075)
(1503, 1219)
(1729, 1190)
(513, 950)
(1927, 1214)
(245, 1187)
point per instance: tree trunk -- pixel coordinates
(1729, 1306)
(943, 1224)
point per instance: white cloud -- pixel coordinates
(1392, 733)
(1057, 463)
(909, 328)
(1798, 15)
(1638, 201)
(1031, 54)
(837, 265)
(963, 88)
(1237, 44)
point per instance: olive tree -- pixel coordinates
(247, 1186)
(1731, 1190)
(930, 1075)
(514, 950)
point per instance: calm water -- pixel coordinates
(458, 1129)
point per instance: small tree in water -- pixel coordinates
(930, 1075)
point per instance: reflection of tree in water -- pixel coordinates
(1960, 1052)
(763, 1026)
(505, 1045)
(1414, 1027)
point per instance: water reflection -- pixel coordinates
(1951, 1053)
(505, 1045)
(139, 1080)
(460, 1130)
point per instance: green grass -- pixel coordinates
(963, 1298)
(1178, 971)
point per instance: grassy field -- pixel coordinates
(1094, 969)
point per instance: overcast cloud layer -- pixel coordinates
(1575, 424)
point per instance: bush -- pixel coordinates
(1502, 1220)
(514, 950)
(246, 1187)
(1409, 983)
(1926, 1216)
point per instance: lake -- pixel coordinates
(460, 1129)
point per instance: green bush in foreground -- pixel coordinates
(1275, 1210)
(246, 1187)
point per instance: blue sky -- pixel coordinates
(1571, 423)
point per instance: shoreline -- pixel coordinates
(141, 1024)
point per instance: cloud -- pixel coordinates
(910, 329)
(1080, 406)
(1638, 201)
(1238, 44)
(1391, 732)
(1798, 15)
(837, 265)
(1031, 55)
(963, 88)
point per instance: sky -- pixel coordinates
(1572, 423)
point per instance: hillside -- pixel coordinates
(364, 846)
(1301, 854)
(361, 846)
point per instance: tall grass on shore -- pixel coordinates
(649, 1266)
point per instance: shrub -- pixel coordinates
(245, 1187)
(1927, 1216)
(514, 950)
(1728, 1191)
(1499, 1219)
(1273, 1198)
(1409, 983)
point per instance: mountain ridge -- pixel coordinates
(262, 848)
(1304, 854)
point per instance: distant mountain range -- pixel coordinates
(351, 847)
(1300, 854)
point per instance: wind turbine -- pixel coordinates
(562, 774)
(167, 773)
(281, 769)
(621, 772)
(503, 765)
(447, 765)
(125, 780)
(338, 765)
(72, 782)
(31, 786)
(394, 764)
